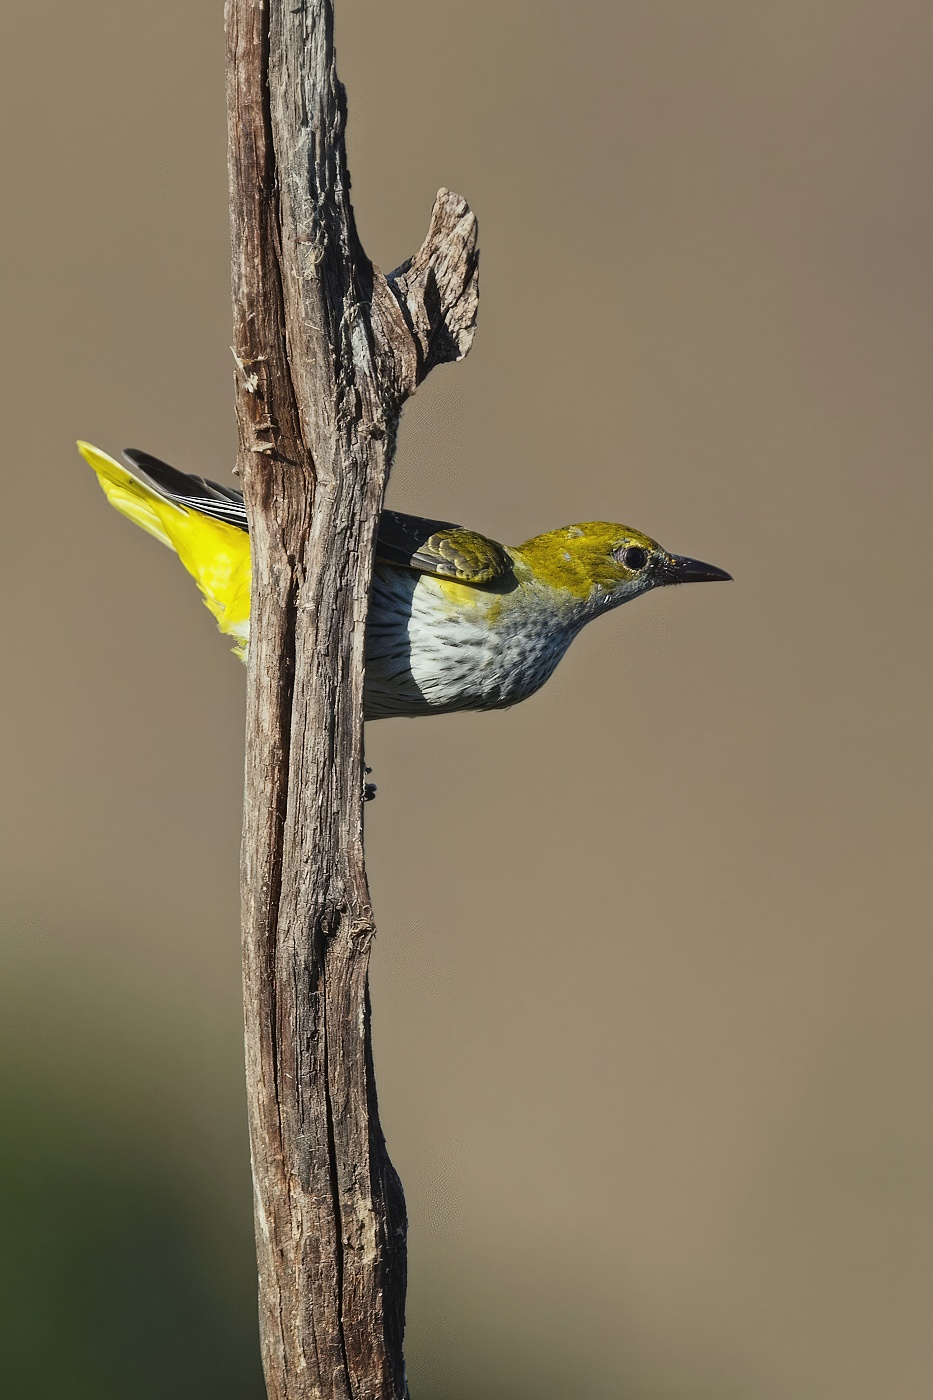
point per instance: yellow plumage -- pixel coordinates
(214, 553)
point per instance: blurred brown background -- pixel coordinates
(653, 969)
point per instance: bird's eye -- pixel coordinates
(633, 557)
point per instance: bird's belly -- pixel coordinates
(433, 647)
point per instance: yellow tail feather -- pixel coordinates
(214, 553)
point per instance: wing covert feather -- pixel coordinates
(440, 547)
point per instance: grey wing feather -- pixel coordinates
(195, 492)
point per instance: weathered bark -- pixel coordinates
(327, 350)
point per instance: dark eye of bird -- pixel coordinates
(634, 557)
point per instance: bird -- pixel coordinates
(456, 620)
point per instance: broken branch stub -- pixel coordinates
(424, 313)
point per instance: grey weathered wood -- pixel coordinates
(327, 349)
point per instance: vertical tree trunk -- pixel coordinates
(327, 349)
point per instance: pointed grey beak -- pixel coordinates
(684, 570)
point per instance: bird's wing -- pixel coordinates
(194, 492)
(213, 549)
(439, 547)
(408, 541)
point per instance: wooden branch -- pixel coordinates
(327, 350)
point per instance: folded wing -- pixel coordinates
(408, 541)
(213, 547)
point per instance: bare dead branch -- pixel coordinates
(327, 350)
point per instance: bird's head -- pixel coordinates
(602, 565)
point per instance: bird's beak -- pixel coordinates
(679, 569)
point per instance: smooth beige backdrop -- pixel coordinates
(653, 972)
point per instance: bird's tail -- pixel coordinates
(215, 552)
